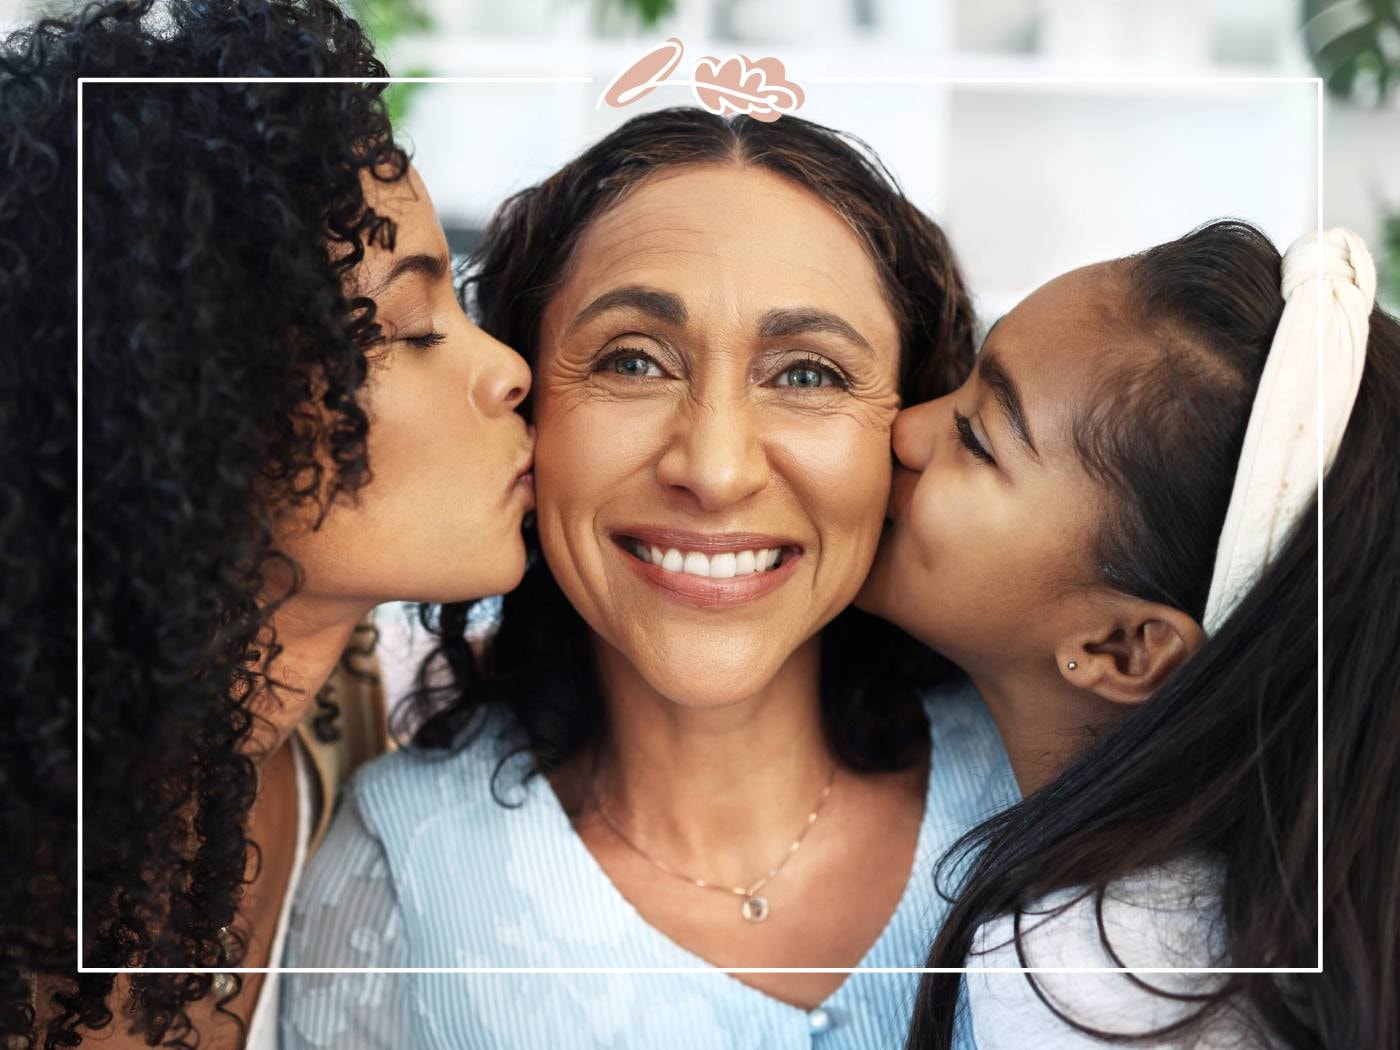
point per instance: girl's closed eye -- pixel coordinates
(425, 341)
(967, 437)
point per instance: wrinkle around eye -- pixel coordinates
(876, 413)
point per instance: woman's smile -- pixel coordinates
(716, 570)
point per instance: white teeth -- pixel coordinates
(723, 566)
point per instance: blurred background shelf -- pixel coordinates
(1031, 168)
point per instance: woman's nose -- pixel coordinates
(503, 382)
(914, 435)
(716, 454)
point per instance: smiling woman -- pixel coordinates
(705, 758)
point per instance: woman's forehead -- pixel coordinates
(731, 237)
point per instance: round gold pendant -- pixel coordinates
(754, 909)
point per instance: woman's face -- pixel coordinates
(439, 519)
(717, 378)
(992, 515)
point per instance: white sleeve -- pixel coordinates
(1158, 919)
(346, 913)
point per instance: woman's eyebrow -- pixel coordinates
(663, 306)
(991, 371)
(776, 324)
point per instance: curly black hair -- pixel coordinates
(38, 540)
(221, 358)
(539, 664)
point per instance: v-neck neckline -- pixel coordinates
(661, 942)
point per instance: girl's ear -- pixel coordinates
(1131, 653)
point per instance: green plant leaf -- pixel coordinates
(649, 11)
(398, 97)
(1389, 261)
(1354, 42)
(387, 20)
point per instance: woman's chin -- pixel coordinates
(708, 684)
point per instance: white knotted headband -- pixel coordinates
(1318, 355)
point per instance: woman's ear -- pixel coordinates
(1127, 656)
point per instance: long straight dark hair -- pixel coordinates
(1223, 760)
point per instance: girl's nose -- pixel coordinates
(504, 381)
(914, 434)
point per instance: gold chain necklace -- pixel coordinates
(754, 908)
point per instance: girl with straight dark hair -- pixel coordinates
(1112, 527)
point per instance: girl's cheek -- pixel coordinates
(936, 518)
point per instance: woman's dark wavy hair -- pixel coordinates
(221, 361)
(538, 665)
(1222, 761)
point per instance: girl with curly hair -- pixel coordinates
(286, 420)
(1112, 527)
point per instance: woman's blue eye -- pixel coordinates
(805, 377)
(809, 376)
(632, 365)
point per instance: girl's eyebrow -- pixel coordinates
(433, 267)
(991, 371)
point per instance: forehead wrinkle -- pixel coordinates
(745, 261)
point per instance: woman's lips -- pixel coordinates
(709, 569)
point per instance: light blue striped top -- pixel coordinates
(423, 867)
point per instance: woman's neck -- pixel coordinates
(715, 789)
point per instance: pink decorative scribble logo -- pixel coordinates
(736, 84)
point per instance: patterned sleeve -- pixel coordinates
(346, 913)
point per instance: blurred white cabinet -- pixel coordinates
(1031, 169)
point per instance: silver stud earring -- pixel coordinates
(1071, 665)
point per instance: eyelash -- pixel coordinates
(962, 430)
(817, 365)
(813, 363)
(606, 362)
(424, 342)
